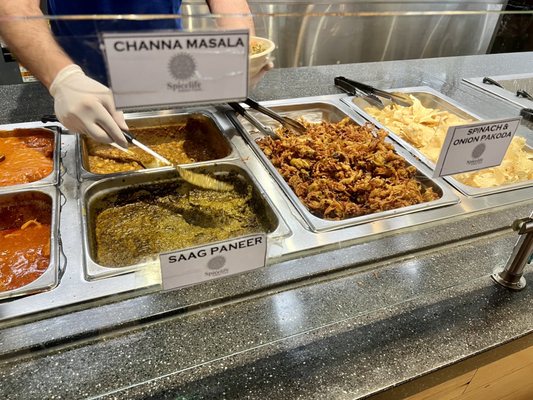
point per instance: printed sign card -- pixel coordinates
(175, 67)
(215, 260)
(475, 146)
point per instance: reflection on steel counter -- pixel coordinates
(514, 32)
(329, 33)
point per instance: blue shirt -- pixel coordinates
(80, 38)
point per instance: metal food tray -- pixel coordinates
(53, 177)
(45, 199)
(428, 97)
(433, 99)
(149, 119)
(291, 243)
(510, 83)
(331, 109)
(91, 191)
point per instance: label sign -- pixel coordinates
(216, 260)
(175, 67)
(475, 146)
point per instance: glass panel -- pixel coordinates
(436, 52)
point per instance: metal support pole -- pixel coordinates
(511, 276)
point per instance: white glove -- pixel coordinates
(86, 106)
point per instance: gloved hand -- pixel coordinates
(86, 106)
(254, 80)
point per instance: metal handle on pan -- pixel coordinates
(252, 120)
(527, 114)
(399, 98)
(49, 118)
(524, 94)
(355, 85)
(287, 122)
(342, 84)
(346, 84)
(491, 81)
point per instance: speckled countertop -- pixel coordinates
(410, 304)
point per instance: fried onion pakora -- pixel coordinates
(343, 170)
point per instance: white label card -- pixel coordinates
(176, 67)
(215, 260)
(475, 146)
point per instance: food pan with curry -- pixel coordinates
(180, 138)
(128, 221)
(422, 128)
(28, 242)
(28, 156)
(342, 171)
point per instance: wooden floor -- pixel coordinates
(510, 378)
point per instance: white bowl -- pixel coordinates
(259, 60)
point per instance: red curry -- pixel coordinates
(24, 254)
(28, 155)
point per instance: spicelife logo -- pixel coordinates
(182, 68)
(479, 150)
(216, 262)
(215, 267)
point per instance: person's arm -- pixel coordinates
(80, 103)
(235, 7)
(238, 7)
(31, 40)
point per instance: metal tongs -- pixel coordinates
(353, 87)
(490, 81)
(519, 93)
(200, 180)
(286, 122)
(266, 130)
(524, 94)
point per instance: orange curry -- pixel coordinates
(24, 254)
(27, 155)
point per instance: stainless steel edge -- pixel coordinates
(502, 93)
(296, 242)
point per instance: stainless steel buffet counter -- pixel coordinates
(295, 233)
(331, 315)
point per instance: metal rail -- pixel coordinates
(511, 276)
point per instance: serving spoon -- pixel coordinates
(194, 178)
(200, 180)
